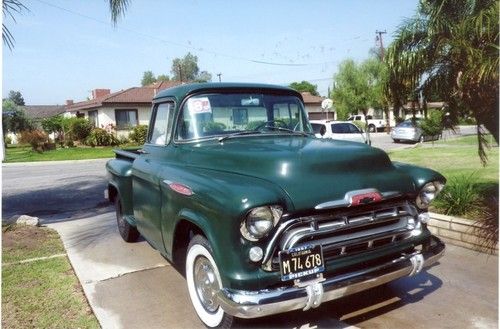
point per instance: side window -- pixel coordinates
(125, 119)
(161, 125)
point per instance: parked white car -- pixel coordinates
(342, 130)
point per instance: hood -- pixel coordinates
(310, 170)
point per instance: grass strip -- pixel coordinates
(43, 293)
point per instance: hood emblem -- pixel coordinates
(359, 198)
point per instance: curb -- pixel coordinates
(41, 163)
(458, 231)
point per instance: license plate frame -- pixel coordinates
(299, 262)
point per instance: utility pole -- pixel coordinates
(219, 75)
(379, 38)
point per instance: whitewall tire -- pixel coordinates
(203, 281)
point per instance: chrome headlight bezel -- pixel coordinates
(259, 221)
(428, 193)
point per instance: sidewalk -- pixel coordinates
(129, 285)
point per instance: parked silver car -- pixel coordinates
(408, 130)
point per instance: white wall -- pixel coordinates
(106, 116)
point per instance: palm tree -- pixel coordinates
(15, 7)
(450, 48)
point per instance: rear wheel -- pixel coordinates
(421, 139)
(204, 282)
(128, 232)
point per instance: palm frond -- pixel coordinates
(117, 9)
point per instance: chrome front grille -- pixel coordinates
(348, 231)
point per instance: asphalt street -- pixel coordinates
(53, 189)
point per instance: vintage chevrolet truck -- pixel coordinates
(232, 186)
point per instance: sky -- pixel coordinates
(66, 48)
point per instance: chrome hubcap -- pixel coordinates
(206, 284)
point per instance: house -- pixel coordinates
(39, 112)
(123, 109)
(313, 107)
(131, 107)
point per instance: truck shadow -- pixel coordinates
(67, 199)
(354, 309)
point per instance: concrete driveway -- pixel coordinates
(132, 286)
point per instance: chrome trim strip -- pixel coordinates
(253, 304)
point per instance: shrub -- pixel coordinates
(432, 125)
(100, 137)
(252, 125)
(8, 140)
(36, 138)
(459, 197)
(213, 127)
(486, 226)
(80, 129)
(139, 134)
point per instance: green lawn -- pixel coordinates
(41, 293)
(452, 158)
(26, 154)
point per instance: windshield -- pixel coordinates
(218, 115)
(344, 128)
(409, 124)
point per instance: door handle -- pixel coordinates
(141, 151)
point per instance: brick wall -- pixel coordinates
(456, 231)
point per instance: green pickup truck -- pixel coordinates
(232, 186)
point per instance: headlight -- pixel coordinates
(260, 221)
(428, 193)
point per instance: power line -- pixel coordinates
(181, 44)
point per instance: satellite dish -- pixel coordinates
(327, 104)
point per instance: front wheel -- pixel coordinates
(204, 282)
(372, 128)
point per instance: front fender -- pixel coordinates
(219, 204)
(419, 175)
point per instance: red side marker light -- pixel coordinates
(181, 189)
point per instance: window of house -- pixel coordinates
(126, 119)
(93, 118)
(161, 124)
(240, 116)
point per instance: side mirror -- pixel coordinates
(322, 131)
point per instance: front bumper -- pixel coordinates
(253, 304)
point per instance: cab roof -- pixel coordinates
(184, 90)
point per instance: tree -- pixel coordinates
(359, 87)
(163, 77)
(14, 119)
(450, 48)
(203, 76)
(148, 78)
(305, 86)
(186, 68)
(16, 97)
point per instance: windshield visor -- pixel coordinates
(218, 115)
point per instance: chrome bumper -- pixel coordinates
(253, 304)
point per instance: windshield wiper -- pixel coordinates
(288, 130)
(240, 133)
